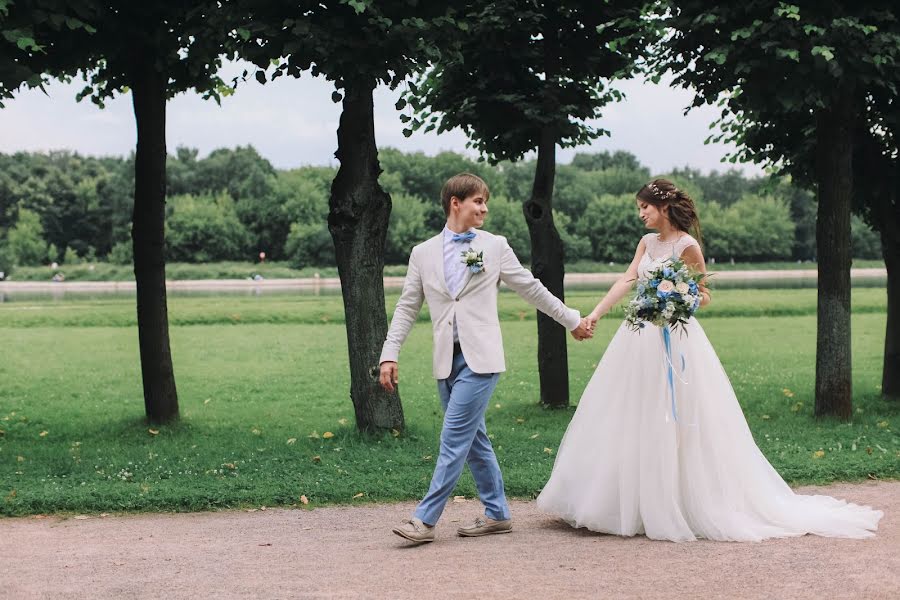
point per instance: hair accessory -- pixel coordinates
(659, 193)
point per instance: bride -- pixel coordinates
(630, 462)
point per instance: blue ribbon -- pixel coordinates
(463, 237)
(670, 372)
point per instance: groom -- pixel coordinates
(458, 272)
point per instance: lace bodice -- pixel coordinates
(657, 251)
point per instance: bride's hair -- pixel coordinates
(682, 210)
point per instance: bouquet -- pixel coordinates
(670, 296)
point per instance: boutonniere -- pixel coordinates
(474, 260)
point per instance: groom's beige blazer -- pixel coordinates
(474, 307)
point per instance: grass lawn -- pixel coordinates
(266, 415)
(102, 271)
(293, 308)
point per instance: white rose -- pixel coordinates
(688, 299)
(665, 286)
(682, 288)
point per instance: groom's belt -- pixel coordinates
(457, 349)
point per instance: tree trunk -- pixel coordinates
(148, 235)
(547, 255)
(358, 221)
(547, 264)
(834, 164)
(890, 248)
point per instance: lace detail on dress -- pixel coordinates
(657, 251)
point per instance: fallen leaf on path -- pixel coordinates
(534, 437)
(459, 499)
(269, 544)
(548, 450)
(304, 500)
(81, 517)
(359, 495)
(327, 435)
(153, 431)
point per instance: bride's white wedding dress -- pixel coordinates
(627, 466)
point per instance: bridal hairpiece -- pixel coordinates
(659, 193)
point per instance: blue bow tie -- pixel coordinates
(463, 237)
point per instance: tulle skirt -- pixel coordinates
(632, 463)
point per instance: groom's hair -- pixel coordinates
(462, 186)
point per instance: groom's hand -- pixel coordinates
(389, 375)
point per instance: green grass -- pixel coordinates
(284, 308)
(257, 399)
(101, 271)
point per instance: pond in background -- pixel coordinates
(62, 294)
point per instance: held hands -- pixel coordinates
(585, 330)
(389, 377)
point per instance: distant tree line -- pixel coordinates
(63, 207)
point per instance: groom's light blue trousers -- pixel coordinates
(464, 396)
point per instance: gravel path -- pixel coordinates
(349, 552)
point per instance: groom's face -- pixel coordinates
(471, 211)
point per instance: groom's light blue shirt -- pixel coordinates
(454, 267)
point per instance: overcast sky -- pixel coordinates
(292, 122)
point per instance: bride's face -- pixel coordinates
(652, 217)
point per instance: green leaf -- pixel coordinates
(27, 43)
(407, 132)
(336, 97)
(717, 56)
(790, 53)
(825, 52)
(357, 5)
(261, 77)
(401, 104)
